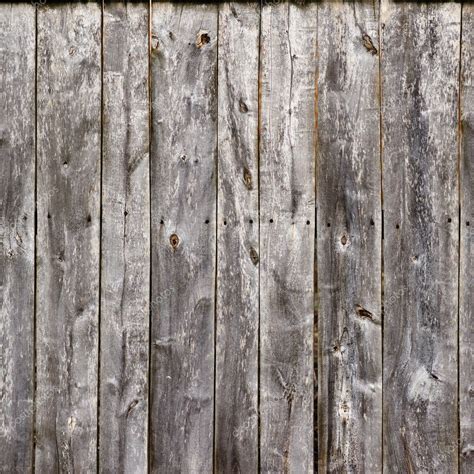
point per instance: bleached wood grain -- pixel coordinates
(68, 239)
(183, 196)
(236, 418)
(125, 261)
(17, 235)
(287, 220)
(420, 86)
(349, 238)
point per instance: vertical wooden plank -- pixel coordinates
(68, 186)
(17, 234)
(288, 75)
(420, 77)
(237, 302)
(466, 290)
(349, 238)
(125, 283)
(183, 198)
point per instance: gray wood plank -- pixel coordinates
(17, 235)
(183, 197)
(236, 444)
(420, 78)
(466, 274)
(68, 207)
(125, 283)
(349, 242)
(287, 199)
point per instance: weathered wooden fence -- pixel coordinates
(236, 237)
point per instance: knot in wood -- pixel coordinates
(202, 38)
(248, 178)
(243, 106)
(154, 42)
(363, 313)
(174, 241)
(368, 44)
(254, 256)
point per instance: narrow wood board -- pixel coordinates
(349, 242)
(125, 283)
(236, 431)
(183, 199)
(17, 234)
(420, 79)
(466, 274)
(287, 220)
(68, 206)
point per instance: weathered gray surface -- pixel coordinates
(420, 74)
(349, 239)
(183, 180)
(68, 200)
(287, 145)
(245, 107)
(466, 274)
(236, 418)
(125, 285)
(17, 235)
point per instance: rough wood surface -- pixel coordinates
(420, 77)
(198, 260)
(125, 285)
(287, 145)
(349, 238)
(68, 205)
(183, 193)
(17, 235)
(466, 274)
(236, 431)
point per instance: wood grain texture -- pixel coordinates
(125, 284)
(287, 145)
(183, 193)
(420, 78)
(466, 274)
(349, 238)
(193, 267)
(68, 207)
(236, 430)
(17, 235)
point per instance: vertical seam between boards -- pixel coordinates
(459, 183)
(382, 255)
(315, 365)
(216, 217)
(35, 252)
(150, 256)
(259, 118)
(100, 233)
